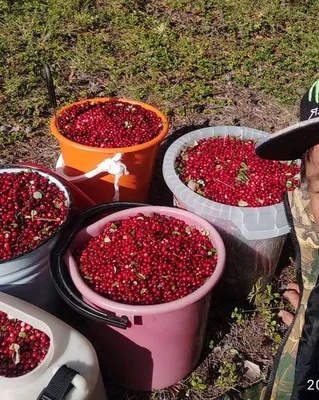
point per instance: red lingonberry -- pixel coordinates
(228, 171)
(31, 210)
(22, 347)
(109, 124)
(147, 260)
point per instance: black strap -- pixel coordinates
(60, 385)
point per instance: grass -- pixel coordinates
(171, 53)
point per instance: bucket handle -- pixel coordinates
(50, 87)
(59, 273)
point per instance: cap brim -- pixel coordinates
(290, 143)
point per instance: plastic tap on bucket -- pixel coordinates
(60, 276)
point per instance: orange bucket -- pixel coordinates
(139, 161)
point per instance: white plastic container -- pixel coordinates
(253, 237)
(67, 347)
(28, 276)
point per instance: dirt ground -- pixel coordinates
(246, 108)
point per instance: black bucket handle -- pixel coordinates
(60, 276)
(50, 87)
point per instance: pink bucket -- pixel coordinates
(162, 343)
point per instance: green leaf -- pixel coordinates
(242, 203)
(185, 156)
(176, 233)
(57, 205)
(212, 251)
(46, 229)
(128, 124)
(22, 334)
(37, 195)
(139, 275)
(242, 177)
(202, 386)
(244, 166)
(288, 184)
(173, 287)
(89, 278)
(113, 226)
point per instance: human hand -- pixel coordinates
(292, 295)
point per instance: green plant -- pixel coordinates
(228, 377)
(146, 51)
(211, 344)
(238, 316)
(197, 383)
(267, 303)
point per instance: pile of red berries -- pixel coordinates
(31, 210)
(147, 260)
(22, 347)
(228, 171)
(109, 124)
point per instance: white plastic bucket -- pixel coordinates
(67, 347)
(28, 276)
(253, 237)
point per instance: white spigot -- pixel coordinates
(113, 166)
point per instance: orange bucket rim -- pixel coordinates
(142, 146)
